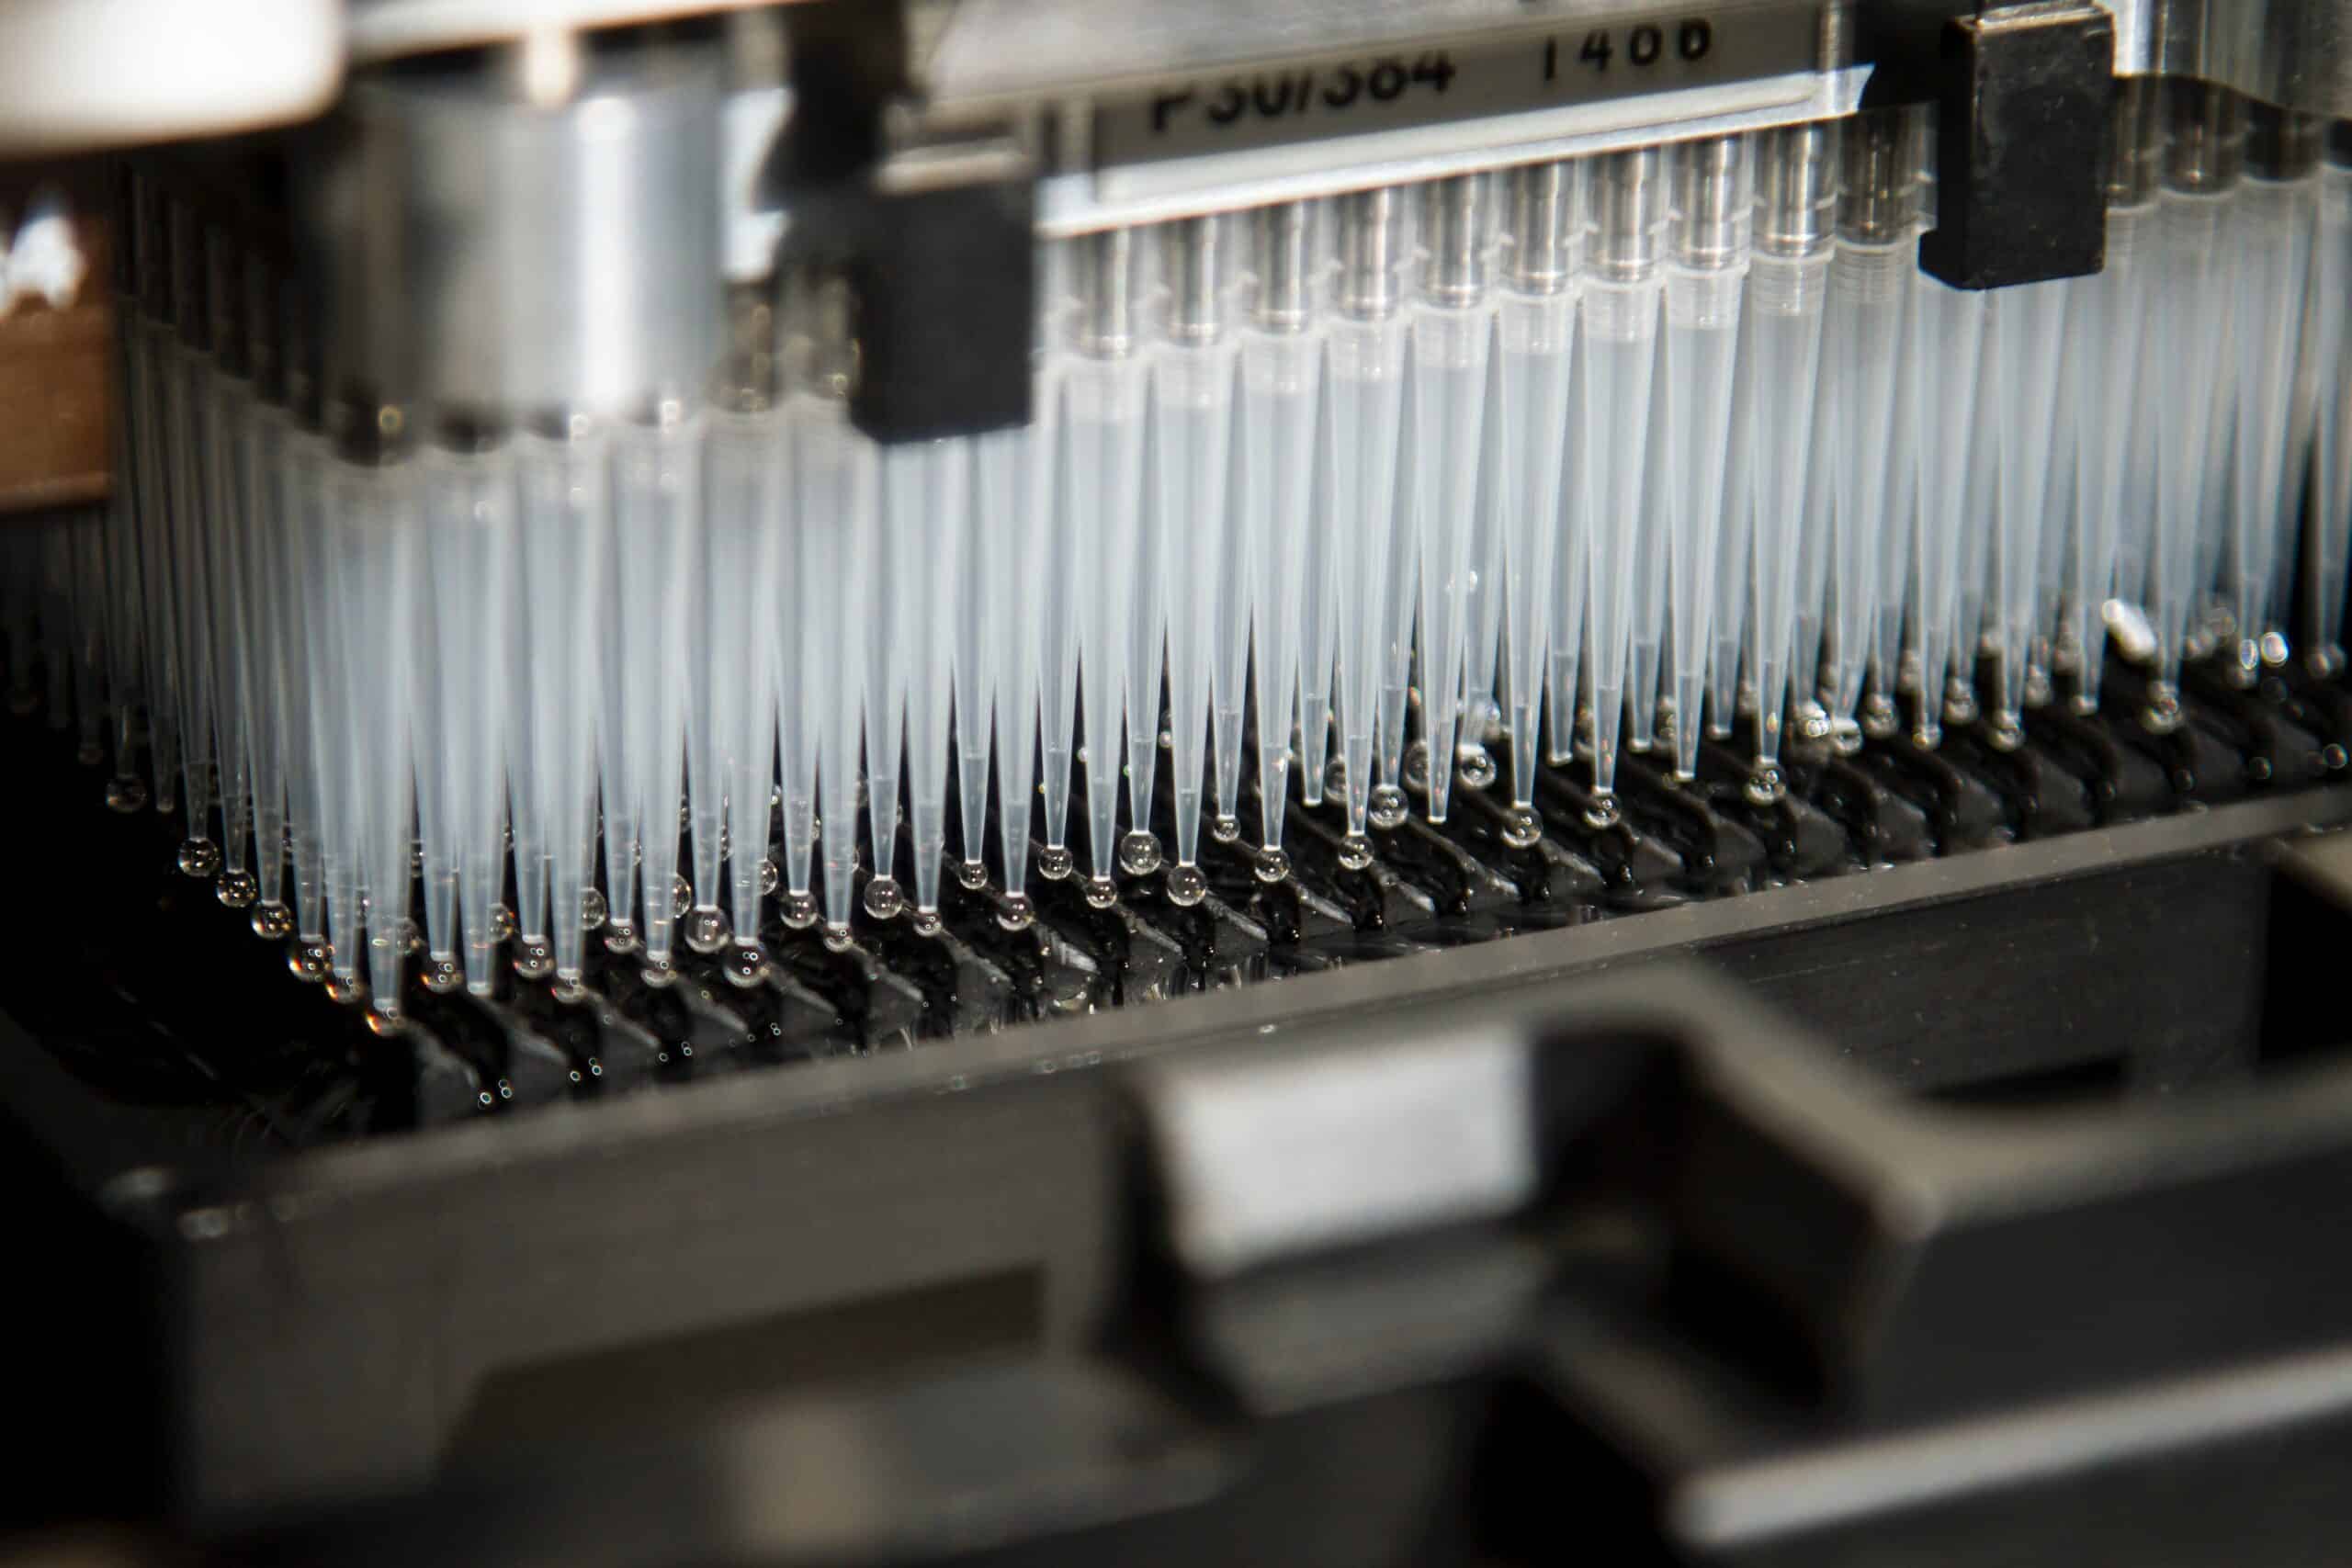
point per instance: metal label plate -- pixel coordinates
(1540, 66)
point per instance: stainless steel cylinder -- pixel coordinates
(2136, 128)
(1453, 240)
(1796, 190)
(2207, 150)
(1882, 187)
(1371, 253)
(1713, 202)
(1194, 253)
(2281, 144)
(487, 253)
(1544, 220)
(1629, 208)
(1103, 278)
(1282, 242)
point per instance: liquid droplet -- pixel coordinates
(1475, 765)
(126, 794)
(799, 911)
(928, 923)
(1845, 737)
(1186, 886)
(972, 875)
(1355, 851)
(1272, 865)
(1605, 813)
(89, 753)
(706, 931)
(199, 857)
(837, 937)
(311, 961)
(1140, 852)
(442, 976)
(1335, 775)
(502, 923)
(2163, 715)
(1387, 807)
(747, 966)
(1102, 892)
(1960, 702)
(568, 989)
(593, 909)
(350, 993)
(1523, 829)
(272, 922)
(237, 889)
(1016, 914)
(1226, 829)
(1055, 863)
(385, 1022)
(620, 936)
(1765, 785)
(659, 973)
(2003, 732)
(1880, 720)
(770, 877)
(534, 960)
(681, 897)
(1417, 768)
(883, 899)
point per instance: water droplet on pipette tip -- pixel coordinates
(1016, 913)
(199, 857)
(681, 897)
(971, 875)
(502, 923)
(1271, 865)
(2325, 660)
(1523, 829)
(348, 992)
(1960, 702)
(2038, 688)
(883, 899)
(1926, 733)
(659, 973)
(1355, 851)
(385, 1022)
(2004, 732)
(2163, 714)
(1880, 719)
(770, 878)
(272, 923)
(2334, 757)
(799, 911)
(237, 889)
(534, 960)
(837, 937)
(620, 937)
(1475, 765)
(1055, 863)
(1186, 886)
(1845, 737)
(1140, 852)
(1387, 809)
(2274, 650)
(2245, 667)
(1605, 813)
(1335, 775)
(126, 792)
(568, 989)
(1102, 892)
(1226, 829)
(311, 961)
(706, 931)
(1812, 722)
(927, 922)
(594, 910)
(442, 976)
(747, 966)
(1417, 768)
(90, 753)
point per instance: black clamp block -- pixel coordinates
(2023, 95)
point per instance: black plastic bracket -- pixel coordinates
(934, 231)
(2022, 94)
